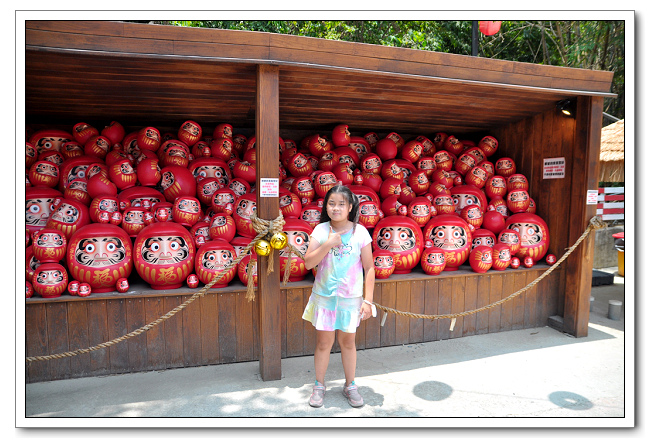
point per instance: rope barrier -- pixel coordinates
(266, 227)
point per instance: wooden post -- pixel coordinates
(586, 154)
(267, 131)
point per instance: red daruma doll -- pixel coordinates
(164, 255)
(433, 261)
(69, 216)
(49, 245)
(245, 207)
(452, 234)
(533, 235)
(500, 256)
(298, 232)
(384, 263)
(480, 259)
(403, 237)
(100, 254)
(214, 258)
(50, 280)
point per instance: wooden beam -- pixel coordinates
(267, 132)
(584, 177)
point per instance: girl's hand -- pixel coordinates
(334, 239)
(366, 311)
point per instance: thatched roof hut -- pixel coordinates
(612, 153)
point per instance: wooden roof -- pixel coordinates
(91, 71)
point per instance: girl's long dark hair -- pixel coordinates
(349, 196)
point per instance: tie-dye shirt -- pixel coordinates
(340, 272)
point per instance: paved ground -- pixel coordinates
(538, 372)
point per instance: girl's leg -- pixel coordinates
(324, 343)
(348, 354)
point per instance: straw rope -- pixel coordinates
(263, 228)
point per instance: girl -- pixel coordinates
(340, 248)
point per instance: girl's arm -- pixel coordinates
(369, 269)
(316, 252)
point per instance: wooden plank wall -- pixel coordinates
(221, 327)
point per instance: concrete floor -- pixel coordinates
(538, 376)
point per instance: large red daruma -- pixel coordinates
(401, 236)
(298, 232)
(214, 258)
(100, 254)
(245, 207)
(70, 216)
(164, 255)
(452, 234)
(533, 235)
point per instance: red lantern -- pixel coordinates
(44, 174)
(488, 145)
(500, 257)
(505, 167)
(480, 259)
(511, 238)
(403, 237)
(384, 263)
(50, 280)
(39, 204)
(164, 255)
(452, 234)
(49, 245)
(133, 221)
(70, 216)
(533, 235)
(298, 233)
(341, 135)
(433, 260)
(214, 258)
(122, 285)
(518, 201)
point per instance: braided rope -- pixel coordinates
(262, 227)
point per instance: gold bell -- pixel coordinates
(279, 240)
(262, 248)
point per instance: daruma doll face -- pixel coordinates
(533, 235)
(100, 254)
(165, 250)
(401, 236)
(451, 234)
